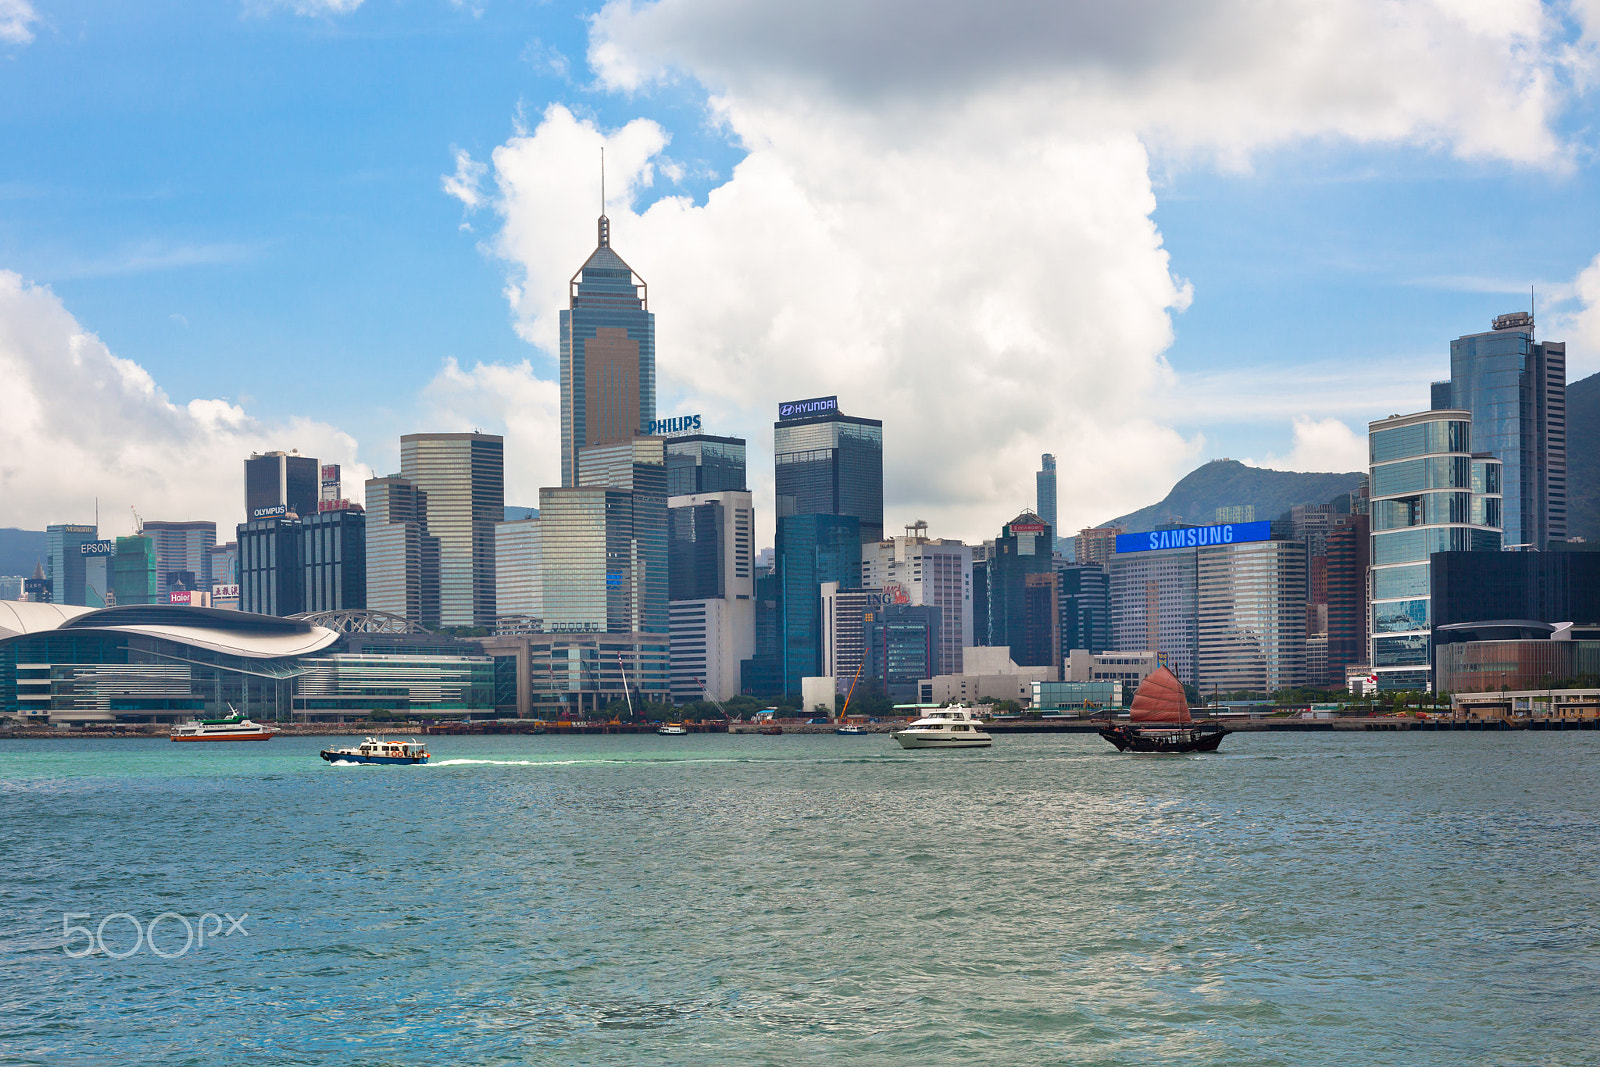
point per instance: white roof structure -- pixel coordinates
(233, 633)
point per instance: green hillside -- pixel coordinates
(20, 550)
(1229, 483)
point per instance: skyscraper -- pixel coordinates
(463, 477)
(608, 356)
(701, 463)
(333, 558)
(183, 548)
(827, 463)
(1516, 389)
(1085, 590)
(636, 523)
(134, 570)
(1153, 606)
(1024, 550)
(270, 566)
(1430, 493)
(923, 570)
(1044, 481)
(811, 550)
(1251, 602)
(402, 558)
(65, 563)
(280, 479)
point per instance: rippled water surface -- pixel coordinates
(1323, 899)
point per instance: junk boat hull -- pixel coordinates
(1202, 737)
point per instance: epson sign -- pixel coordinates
(669, 427)
(1230, 533)
(97, 548)
(804, 409)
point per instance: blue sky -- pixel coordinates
(245, 200)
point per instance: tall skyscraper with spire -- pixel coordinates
(608, 355)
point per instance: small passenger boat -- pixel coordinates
(233, 727)
(944, 728)
(850, 729)
(1159, 720)
(672, 729)
(374, 751)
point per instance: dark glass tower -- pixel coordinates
(1023, 549)
(1085, 607)
(831, 464)
(608, 356)
(701, 463)
(811, 549)
(1044, 481)
(274, 479)
(1516, 389)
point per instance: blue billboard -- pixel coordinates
(1228, 533)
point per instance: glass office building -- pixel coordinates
(701, 463)
(65, 563)
(830, 464)
(1430, 493)
(634, 472)
(133, 577)
(463, 478)
(1251, 606)
(608, 356)
(183, 547)
(1153, 607)
(1044, 483)
(1516, 389)
(402, 559)
(280, 479)
(270, 579)
(811, 550)
(901, 648)
(1024, 619)
(931, 571)
(333, 555)
(1085, 591)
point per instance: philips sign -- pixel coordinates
(275, 511)
(1231, 533)
(669, 427)
(801, 409)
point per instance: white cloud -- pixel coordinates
(16, 21)
(1571, 313)
(314, 8)
(1320, 445)
(511, 400)
(81, 423)
(946, 219)
(466, 184)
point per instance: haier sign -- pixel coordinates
(804, 409)
(1229, 533)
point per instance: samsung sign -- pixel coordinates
(804, 409)
(1230, 533)
(670, 427)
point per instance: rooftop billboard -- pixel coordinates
(1227, 533)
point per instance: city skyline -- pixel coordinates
(1396, 211)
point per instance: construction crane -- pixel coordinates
(138, 523)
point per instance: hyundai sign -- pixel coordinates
(1228, 533)
(804, 409)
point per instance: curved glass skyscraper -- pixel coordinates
(1430, 493)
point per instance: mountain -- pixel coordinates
(20, 550)
(1583, 458)
(1226, 483)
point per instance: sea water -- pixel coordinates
(804, 899)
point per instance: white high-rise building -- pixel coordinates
(917, 569)
(519, 569)
(711, 591)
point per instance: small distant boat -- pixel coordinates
(374, 751)
(944, 728)
(234, 727)
(850, 730)
(672, 729)
(1159, 720)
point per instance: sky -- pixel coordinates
(1138, 236)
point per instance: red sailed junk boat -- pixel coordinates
(1159, 720)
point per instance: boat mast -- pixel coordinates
(625, 692)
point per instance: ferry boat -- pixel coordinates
(672, 729)
(234, 727)
(1159, 720)
(850, 729)
(374, 751)
(944, 728)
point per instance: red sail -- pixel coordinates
(1160, 698)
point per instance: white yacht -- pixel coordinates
(944, 728)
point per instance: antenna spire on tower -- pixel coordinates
(605, 223)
